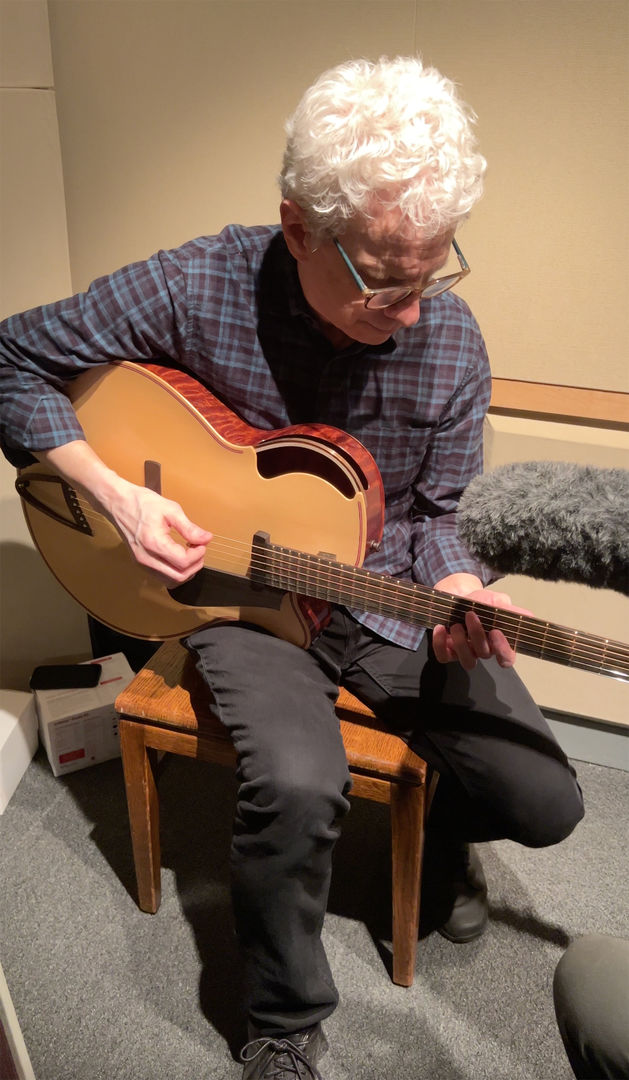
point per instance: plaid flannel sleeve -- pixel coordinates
(138, 313)
(454, 458)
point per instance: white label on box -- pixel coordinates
(93, 737)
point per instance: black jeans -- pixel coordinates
(502, 775)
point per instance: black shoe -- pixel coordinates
(292, 1057)
(468, 889)
(456, 889)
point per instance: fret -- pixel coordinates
(575, 635)
(381, 596)
(605, 644)
(355, 595)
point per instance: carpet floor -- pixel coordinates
(105, 992)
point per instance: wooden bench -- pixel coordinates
(165, 708)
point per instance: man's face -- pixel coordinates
(383, 256)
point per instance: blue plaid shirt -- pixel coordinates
(229, 309)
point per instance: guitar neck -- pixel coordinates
(379, 594)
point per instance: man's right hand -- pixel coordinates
(144, 519)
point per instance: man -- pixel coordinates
(344, 316)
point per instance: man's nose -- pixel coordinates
(405, 312)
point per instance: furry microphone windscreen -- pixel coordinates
(551, 520)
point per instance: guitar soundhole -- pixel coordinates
(278, 460)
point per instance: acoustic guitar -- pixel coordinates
(293, 513)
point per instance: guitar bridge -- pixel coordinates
(43, 491)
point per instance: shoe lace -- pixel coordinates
(287, 1059)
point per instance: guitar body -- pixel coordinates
(310, 487)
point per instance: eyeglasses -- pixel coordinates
(384, 298)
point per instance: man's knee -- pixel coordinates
(547, 814)
(299, 793)
(305, 795)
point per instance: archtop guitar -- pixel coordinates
(293, 513)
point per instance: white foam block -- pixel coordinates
(18, 740)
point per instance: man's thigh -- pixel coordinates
(274, 698)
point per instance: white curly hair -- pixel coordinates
(391, 133)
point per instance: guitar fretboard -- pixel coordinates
(379, 594)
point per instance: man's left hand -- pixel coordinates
(468, 642)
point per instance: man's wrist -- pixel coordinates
(460, 584)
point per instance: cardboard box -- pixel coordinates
(80, 727)
(18, 740)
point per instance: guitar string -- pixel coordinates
(541, 631)
(544, 637)
(435, 602)
(326, 574)
(544, 633)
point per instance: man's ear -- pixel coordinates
(298, 237)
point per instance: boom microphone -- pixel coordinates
(551, 520)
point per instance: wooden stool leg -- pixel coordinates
(407, 842)
(143, 807)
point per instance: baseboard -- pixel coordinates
(591, 740)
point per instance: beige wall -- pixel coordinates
(38, 621)
(549, 80)
(35, 265)
(171, 118)
(172, 113)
